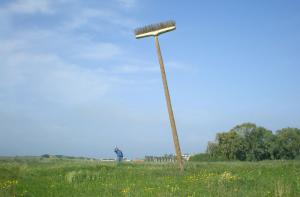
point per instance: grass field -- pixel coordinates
(53, 177)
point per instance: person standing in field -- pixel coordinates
(119, 154)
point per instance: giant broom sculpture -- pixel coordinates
(155, 30)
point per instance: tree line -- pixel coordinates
(248, 142)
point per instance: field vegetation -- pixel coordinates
(43, 177)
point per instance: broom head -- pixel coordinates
(155, 29)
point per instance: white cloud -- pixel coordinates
(49, 78)
(99, 51)
(127, 3)
(99, 19)
(135, 66)
(8, 46)
(30, 7)
(73, 85)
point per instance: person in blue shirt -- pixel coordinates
(119, 154)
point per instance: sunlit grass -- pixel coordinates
(53, 177)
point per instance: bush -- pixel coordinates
(207, 157)
(45, 156)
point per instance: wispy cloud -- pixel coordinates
(127, 3)
(50, 79)
(29, 7)
(99, 51)
(134, 65)
(99, 19)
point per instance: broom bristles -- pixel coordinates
(154, 27)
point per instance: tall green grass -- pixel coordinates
(53, 177)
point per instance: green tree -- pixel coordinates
(244, 129)
(231, 146)
(287, 143)
(250, 142)
(257, 141)
(259, 144)
(243, 142)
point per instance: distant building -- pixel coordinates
(126, 159)
(165, 158)
(107, 159)
(138, 161)
(159, 159)
(186, 156)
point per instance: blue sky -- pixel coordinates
(75, 81)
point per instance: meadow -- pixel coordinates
(43, 177)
